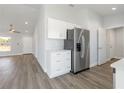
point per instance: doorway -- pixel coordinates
(115, 44)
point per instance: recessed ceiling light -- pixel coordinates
(114, 8)
(26, 22)
(71, 5)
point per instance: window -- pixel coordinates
(5, 44)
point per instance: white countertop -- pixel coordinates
(118, 65)
(58, 50)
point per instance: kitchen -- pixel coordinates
(57, 19)
(75, 46)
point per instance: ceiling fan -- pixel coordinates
(12, 29)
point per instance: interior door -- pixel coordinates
(110, 44)
(101, 35)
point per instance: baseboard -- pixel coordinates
(6, 55)
(108, 59)
(118, 57)
(44, 70)
(27, 53)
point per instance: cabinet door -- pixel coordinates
(67, 62)
(53, 28)
(56, 29)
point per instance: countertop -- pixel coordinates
(59, 50)
(118, 65)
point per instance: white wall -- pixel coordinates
(39, 39)
(27, 44)
(115, 20)
(35, 43)
(119, 38)
(77, 15)
(94, 24)
(19, 44)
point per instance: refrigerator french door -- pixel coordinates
(78, 42)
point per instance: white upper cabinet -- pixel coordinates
(57, 28)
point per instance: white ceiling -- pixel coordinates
(17, 15)
(104, 9)
(35, 6)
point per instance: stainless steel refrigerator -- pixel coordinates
(78, 41)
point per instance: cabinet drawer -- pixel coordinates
(67, 63)
(60, 63)
(56, 63)
(57, 68)
(57, 55)
(67, 52)
(68, 58)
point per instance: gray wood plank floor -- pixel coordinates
(24, 72)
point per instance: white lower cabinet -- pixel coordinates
(58, 63)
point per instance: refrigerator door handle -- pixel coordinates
(83, 47)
